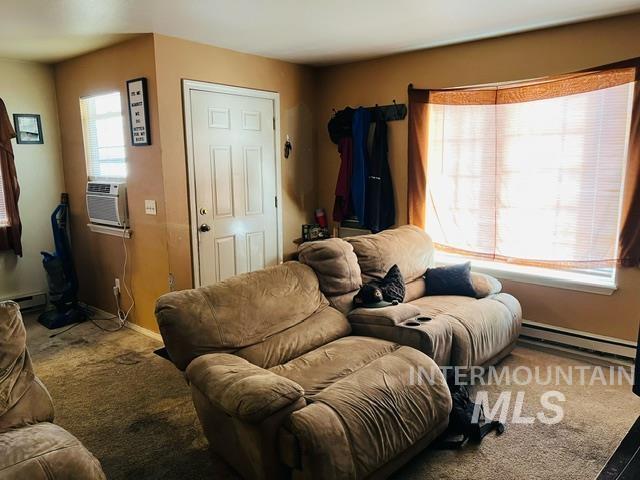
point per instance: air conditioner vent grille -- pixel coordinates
(99, 187)
(107, 203)
(104, 208)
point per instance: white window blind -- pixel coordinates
(4, 219)
(530, 182)
(103, 130)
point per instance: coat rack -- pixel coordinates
(340, 123)
(396, 111)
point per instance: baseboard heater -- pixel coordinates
(566, 337)
(30, 301)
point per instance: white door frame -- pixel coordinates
(187, 87)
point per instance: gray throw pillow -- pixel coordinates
(485, 285)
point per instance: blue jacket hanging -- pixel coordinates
(360, 134)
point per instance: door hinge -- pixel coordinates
(276, 201)
(274, 123)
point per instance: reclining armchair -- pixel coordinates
(31, 447)
(282, 389)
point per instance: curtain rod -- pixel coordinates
(628, 63)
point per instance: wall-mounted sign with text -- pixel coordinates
(138, 112)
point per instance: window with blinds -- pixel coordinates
(4, 218)
(530, 178)
(103, 130)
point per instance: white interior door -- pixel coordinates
(234, 182)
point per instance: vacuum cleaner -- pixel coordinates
(61, 274)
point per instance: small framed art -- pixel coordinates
(28, 128)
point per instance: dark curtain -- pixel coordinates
(630, 233)
(10, 236)
(636, 378)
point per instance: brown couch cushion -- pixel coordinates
(240, 388)
(408, 246)
(335, 264)
(43, 452)
(481, 328)
(337, 269)
(238, 312)
(16, 372)
(327, 364)
(33, 407)
(323, 326)
(365, 419)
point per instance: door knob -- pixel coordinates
(204, 228)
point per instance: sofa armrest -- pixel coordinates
(241, 389)
(391, 316)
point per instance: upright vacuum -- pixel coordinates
(61, 274)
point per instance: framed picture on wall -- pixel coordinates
(28, 128)
(138, 112)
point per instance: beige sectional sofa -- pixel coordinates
(31, 447)
(283, 389)
(460, 332)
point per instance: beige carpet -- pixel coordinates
(132, 409)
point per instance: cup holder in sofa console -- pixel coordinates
(423, 319)
(412, 323)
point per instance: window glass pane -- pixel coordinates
(109, 103)
(109, 132)
(113, 170)
(531, 182)
(111, 153)
(103, 130)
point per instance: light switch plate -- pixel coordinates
(150, 207)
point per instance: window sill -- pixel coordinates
(534, 275)
(107, 230)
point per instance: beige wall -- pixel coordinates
(98, 257)
(29, 88)
(180, 59)
(161, 244)
(515, 57)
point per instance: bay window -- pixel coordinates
(530, 178)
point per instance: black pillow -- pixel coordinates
(392, 285)
(450, 280)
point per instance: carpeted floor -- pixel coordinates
(133, 410)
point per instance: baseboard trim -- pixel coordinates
(28, 301)
(550, 335)
(144, 331)
(130, 325)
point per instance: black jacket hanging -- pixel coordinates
(380, 211)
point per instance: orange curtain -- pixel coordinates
(10, 236)
(549, 87)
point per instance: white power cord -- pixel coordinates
(122, 315)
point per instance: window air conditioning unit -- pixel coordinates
(107, 203)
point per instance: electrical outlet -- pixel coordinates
(116, 287)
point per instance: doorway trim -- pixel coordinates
(187, 87)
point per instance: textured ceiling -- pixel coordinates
(303, 31)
